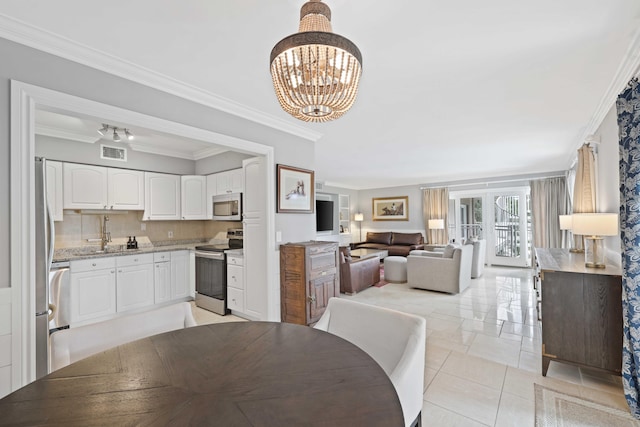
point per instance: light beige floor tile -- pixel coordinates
(433, 415)
(486, 328)
(530, 362)
(475, 369)
(496, 349)
(475, 401)
(520, 382)
(441, 322)
(435, 356)
(429, 375)
(515, 411)
(565, 372)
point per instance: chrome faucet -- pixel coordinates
(106, 235)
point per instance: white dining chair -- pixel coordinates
(394, 339)
(76, 343)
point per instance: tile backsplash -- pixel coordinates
(76, 229)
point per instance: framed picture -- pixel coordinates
(295, 188)
(391, 208)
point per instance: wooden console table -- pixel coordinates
(581, 311)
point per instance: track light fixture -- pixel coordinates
(105, 128)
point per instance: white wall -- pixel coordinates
(220, 162)
(608, 184)
(416, 221)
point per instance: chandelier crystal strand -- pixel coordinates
(315, 72)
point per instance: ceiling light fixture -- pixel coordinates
(315, 72)
(105, 128)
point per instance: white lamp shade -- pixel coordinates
(566, 222)
(436, 224)
(595, 224)
(358, 217)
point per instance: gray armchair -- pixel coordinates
(478, 259)
(447, 271)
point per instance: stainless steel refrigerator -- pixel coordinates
(44, 239)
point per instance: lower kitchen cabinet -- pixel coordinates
(235, 283)
(93, 292)
(181, 277)
(134, 282)
(162, 281)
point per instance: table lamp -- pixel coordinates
(566, 223)
(592, 226)
(359, 217)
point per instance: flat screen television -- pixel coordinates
(324, 215)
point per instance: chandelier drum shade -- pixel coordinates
(316, 72)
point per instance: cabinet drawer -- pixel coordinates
(322, 249)
(161, 256)
(235, 260)
(92, 264)
(235, 276)
(235, 299)
(125, 261)
(322, 273)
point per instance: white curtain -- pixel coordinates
(549, 200)
(435, 205)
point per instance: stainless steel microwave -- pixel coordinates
(227, 207)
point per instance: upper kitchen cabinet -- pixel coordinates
(162, 196)
(212, 188)
(54, 189)
(194, 196)
(98, 187)
(85, 186)
(126, 189)
(230, 181)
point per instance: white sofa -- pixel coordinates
(446, 271)
(73, 344)
(394, 339)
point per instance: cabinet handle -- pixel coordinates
(113, 271)
(105, 206)
(111, 207)
(93, 264)
(135, 260)
(119, 271)
(312, 298)
(157, 265)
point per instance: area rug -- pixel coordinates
(554, 408)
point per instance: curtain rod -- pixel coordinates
(487, 183)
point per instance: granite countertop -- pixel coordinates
(92, 251)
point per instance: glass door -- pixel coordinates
(507, 239)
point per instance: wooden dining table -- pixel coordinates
(225, 374)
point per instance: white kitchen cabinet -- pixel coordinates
(85, 186)
(162, 281)
(162, 196)
(211, 191)
(93, 290)
(231, 181)
(257, 295)
(181, 276)
(235, 283)
(193, 196)
(134, 282)
(54, 188)
(125, 189)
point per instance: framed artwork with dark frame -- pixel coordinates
(295, 188)
(391, 208)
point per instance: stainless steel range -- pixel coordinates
(211, 273)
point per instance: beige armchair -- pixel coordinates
(478, 259)
(447, 271)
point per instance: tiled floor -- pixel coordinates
(483, 351)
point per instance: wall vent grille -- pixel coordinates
(113, 153)
(319, 185)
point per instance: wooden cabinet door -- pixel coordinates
(193, 196)
(93, 295)
(319, 292)
(126, 189)
(180, 277)
(85, 186)
(563, 314)
(162, 281)
(135, 287)
(603, 340)
(162, 196)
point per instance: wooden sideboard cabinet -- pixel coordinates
(581, 311)
(309, 276)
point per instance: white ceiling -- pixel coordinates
(451, 89)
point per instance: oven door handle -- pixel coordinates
(210, 255)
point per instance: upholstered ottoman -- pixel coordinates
(395, 269)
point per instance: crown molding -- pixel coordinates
(207, 152)
(46, 41)
(64, 134)
(628, 69)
